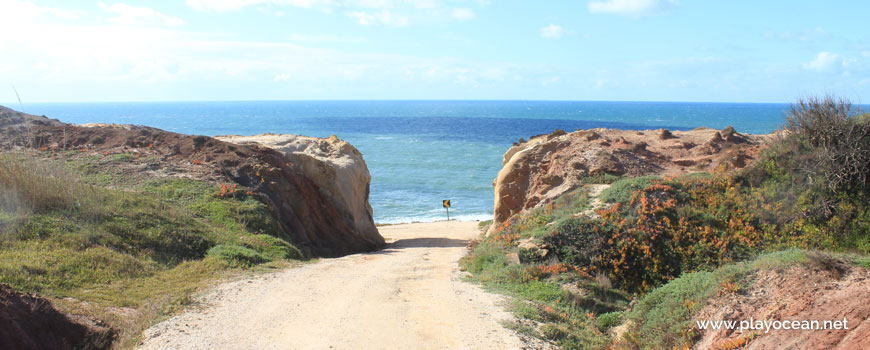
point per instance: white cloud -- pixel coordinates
(865, 53)
(552, 31)
(462, 14)
(391, 13)
(379, 18)
(825, 61)
(323, 38)
(65, 14)
(114, 59)
(629, 7)
(134, 15)
(236, 5)
(18, 10)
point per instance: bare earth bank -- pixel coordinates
(407, 296)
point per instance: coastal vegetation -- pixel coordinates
(656, 249)
(125, 249)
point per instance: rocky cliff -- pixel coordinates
(317, 188)
(547, 166)
(335, 166)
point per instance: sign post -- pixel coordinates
(446, 204)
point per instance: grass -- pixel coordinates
(483, 225)
(240, 211)
(146, 246)
(620, 191)
(603, 178)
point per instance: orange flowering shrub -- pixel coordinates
(735, 343)
(227, 190)
(506, 238)
(665, 229)
(538, 272)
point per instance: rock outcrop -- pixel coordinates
(31, 322)
(547, 166)
(335, 166)
(317, 188)
(823, 290)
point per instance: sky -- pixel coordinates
(620, 50)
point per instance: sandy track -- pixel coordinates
(407, 296)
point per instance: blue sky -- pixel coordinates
(627, 50)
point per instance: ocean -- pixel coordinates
(421, 152)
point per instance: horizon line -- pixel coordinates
(9, 103)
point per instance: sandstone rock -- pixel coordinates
(588, 135)
(545, 167)
(556, 133)
(683, 145)
(732, 136)
(335, 166)
(529, 245)
(739, 159)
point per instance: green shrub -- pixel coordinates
(237, 255)
(240, 211)
(486, 257)
(579, 241)
(606, 321)
(122, 157)
(814, 180)
(271, 247)
(839, 144)
(554, 332)
(538, 221)
(862, 261)
(621, 190)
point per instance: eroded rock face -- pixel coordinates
(30, 322)
(540, 169)
(316, 188)
(335, 166)
(832, 292)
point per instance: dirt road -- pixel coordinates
(407, 296)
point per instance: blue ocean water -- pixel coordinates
(421, 152)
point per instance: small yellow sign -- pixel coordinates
(446, 203)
